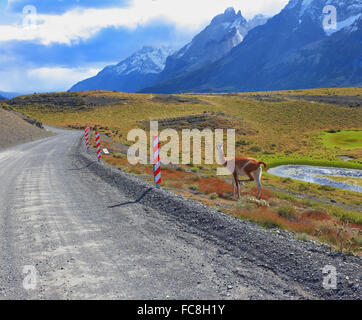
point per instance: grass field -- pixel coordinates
(311, 127)
(345, 139)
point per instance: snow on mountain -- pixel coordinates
(145, 61)
(347, 11)
(345, 24)
(292, 50)
(150, 65)
(131, 74)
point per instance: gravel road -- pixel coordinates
(94, 232)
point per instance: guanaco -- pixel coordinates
(243, 166)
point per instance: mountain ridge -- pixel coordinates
(292, 50)
(149, 65)
(131, 74)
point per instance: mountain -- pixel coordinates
(132, 74)
(293, 50)
(2, 98)
(225, 31)
(9, 95)
(149, 65)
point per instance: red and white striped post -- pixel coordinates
(86, 137)
(98, 144)
(157, 162)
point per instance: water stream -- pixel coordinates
(320, 175)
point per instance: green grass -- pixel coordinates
(276, 161)
(344, 139)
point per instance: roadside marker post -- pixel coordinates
(86, 137)
(98, 145)
(157, 162)
(85, 133)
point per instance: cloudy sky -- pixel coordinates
(48, 45)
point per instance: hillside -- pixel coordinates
(14, 129)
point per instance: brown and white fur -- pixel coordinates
(244, 166)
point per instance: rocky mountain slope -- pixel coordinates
(150, 65)
(294, 49)
(225, 31)
(132, 74)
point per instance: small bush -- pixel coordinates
(326, 188)
(255, 149)
(213, 196)
(303, 187)
(286, 212)
(242, 143)
(117, 155)
(272, 224)
(193, 187)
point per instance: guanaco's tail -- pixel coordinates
(263, 163)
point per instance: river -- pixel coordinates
(320, 175)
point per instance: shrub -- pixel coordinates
(302, 187)
(326, 188)
(286, 212)
(193, 187)
(242, 142)
(255, 149)
(213, 196)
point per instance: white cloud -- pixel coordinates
(79, 24)
(45, 79)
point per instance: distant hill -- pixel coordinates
(291, 51)
(9, 95)
(2, 98)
